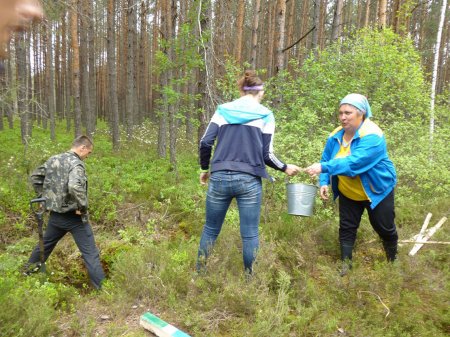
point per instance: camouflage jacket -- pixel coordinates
(62, 181)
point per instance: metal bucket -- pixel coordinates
(301, 198)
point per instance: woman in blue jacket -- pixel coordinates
(242, 131)
(356, 164)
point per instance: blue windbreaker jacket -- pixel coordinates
(368, 158)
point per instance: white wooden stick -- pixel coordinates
(426, 242)
(425, 224)
(428, 235)
(419, 237)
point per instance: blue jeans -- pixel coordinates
(223, 187)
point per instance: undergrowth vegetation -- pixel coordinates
(148, 216)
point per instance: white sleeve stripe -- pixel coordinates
(275, 160)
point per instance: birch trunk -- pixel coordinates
(435, 69)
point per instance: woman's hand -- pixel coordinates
(204, 176)
(324, 192)
(314, 169)
(292, 170)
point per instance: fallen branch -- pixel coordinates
(379, 298)
(292, 45)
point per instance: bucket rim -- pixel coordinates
(302, 184)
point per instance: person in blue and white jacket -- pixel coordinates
(356, 163)
(242, 131)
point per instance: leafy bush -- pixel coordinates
(31, 304)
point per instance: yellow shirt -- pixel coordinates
(351, 187)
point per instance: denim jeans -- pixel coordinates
(223, 187)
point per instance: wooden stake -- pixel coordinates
(428, 235)
(426, 242)
(159, 327)
(419, 236)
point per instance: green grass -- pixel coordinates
(147, 220)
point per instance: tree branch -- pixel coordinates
(292, 45)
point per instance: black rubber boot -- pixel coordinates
(346, 257)
(390, 247)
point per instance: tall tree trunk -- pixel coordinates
(50, 83)
(273, 35)
(322, 19)
(43, 80)
(185, 72)
(130, 96)
(255, 24)
(435, 68)
(22, 105)
(367, 14)
(112, 78)
(281, 24)
(91, 121)
(359, 20)
(28, 87)
(122, 63)
(382, 7)
(66, 79)
(206, 103)
(162, 131)
(290, 27)
(12, 78)
(154, 79)
(218, 31)
(395, 22)
(316, 16)
(142, 68)
(239, 31)
(172, 15)
(58, 73)
(337, 20)
(85, 75)
(304, 14)
(35, 54)
(75, 67)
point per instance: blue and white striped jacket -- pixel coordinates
(244, 130)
